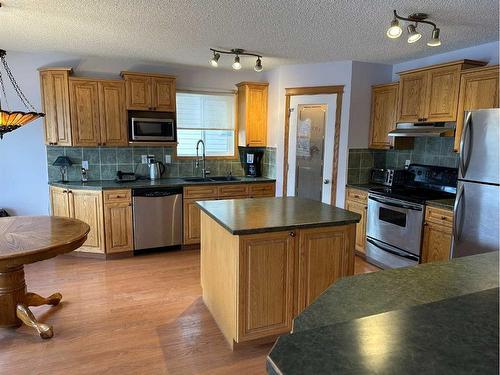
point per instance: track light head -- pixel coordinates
(215, 60)
(258, 65)
(395, 30)
(413, 34)
(435, 41)
(236, 63)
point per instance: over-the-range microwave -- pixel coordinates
(147, 126)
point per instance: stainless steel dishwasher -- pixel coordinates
(157, 216)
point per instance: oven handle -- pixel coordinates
(393, 252)
(394, 204)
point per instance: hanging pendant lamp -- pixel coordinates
(12, 120)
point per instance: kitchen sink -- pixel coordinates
(196, 179)
(224, 178)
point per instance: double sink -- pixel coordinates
(211, 179)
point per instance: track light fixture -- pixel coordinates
(236, 64)
(394, 31)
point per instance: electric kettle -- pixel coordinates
(156, 169)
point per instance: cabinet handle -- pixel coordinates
(292, 234)
(366, 207)
(103, 143)
(130, 204)
(443, 217)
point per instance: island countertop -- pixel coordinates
(259, 215)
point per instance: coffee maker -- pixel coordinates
(253, 163)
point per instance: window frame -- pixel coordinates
(235, 155)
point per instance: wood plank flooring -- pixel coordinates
(141, 315)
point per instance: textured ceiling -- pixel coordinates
(299, 31)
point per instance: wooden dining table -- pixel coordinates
(29, 239)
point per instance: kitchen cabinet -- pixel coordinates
(118, 221)
(252, 114)
(436, 244)
(357, 201)
(98, 113)
(383, 115)
(479, 89)
(84, 205)
(255, 284)
(191, 194)
(430, 94)
(54, 85)
(149, 92)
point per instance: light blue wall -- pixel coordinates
(484, 52)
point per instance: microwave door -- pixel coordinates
(147, 129)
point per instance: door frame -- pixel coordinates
(315, 90)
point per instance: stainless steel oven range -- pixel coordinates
(396, 215)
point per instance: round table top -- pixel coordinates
(28, 239)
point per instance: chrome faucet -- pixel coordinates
(204, 169)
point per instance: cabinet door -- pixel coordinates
(256, 116)
(163, 91)
(478, 90)
(112, 114)
(325, 255)
(359, 208)
(84, 112)
(55, 104)
(261, 190)
(412, 92)
(138, 92)
(87, 206)
(59, 202)
(442, 94)
(436, 244)
(118, 224)
(191, 220)
(266, 288)
(383, 115)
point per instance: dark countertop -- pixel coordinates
(259, 215)
(446, 204)
(453, 336)
(364, 187)
(353, 300)
(164, 182)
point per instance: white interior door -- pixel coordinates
(304, 147)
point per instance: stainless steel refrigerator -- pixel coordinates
(476, 213)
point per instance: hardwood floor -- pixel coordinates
(141, 315)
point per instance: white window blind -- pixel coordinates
(209, 117)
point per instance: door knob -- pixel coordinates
(326, 181)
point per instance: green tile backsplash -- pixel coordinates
(430, 151)
(104, 162)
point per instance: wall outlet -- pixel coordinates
(407, 163)
(168, 159)
(144, 159)
(85, 164)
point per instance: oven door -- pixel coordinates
(152, 130)
(395, 222)
(387, 256)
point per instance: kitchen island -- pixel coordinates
(439, 318)
(264, 260)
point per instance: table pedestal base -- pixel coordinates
(14, 302)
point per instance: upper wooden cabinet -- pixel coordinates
(149, 92)
(383, 115)
(54, 85)
(479, 89)
(252, 114)
(430, 94)
(98, 115)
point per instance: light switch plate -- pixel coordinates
(168, 159)
(85, 164)
(144, 159)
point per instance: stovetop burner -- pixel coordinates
(415, 195)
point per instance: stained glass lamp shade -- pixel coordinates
(12, 120)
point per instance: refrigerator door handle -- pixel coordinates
(463, 158)
(456, 218)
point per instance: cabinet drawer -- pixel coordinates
(261, 190)
(439, 216)
(229, 191)
(204, 191)
(117, 196)
(357, 195)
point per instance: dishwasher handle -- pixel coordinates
(156, 192)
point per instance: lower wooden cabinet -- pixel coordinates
(436, 244)
(191, 194)
(356, 201)
(118, 221)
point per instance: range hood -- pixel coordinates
(435, 129)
